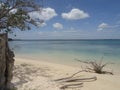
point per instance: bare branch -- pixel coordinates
(72, 86)
(97, 67)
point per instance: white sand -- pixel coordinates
(38, 75)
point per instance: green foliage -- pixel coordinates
(20, 18)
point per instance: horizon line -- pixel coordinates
(56, 39)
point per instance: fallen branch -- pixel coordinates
(74, 82)
(81, 79)
(69, 76)
(72, 86)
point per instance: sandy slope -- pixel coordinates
(38, 75)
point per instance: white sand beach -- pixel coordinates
(39, 75)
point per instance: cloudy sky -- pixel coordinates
(76, 19)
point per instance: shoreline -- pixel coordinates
(40, 75)
(111, 66)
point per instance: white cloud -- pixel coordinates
(46, 14)
(102, 26)
(105, 26)
(75, 14)
(58, 25)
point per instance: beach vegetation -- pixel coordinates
(97, 67)
(14, 15)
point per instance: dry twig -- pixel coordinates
(97, 67)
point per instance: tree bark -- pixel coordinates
(6, 63)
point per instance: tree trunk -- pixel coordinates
(6, 63)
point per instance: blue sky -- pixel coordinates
(76, 19)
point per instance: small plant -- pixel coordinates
(96, 67)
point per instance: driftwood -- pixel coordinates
(78, 85)
(73, 81)
(81, 79)
(69, 76)
(96, 67)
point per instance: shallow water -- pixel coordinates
(66, 51)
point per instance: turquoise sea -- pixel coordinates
(66, 51)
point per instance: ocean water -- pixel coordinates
(67, 51)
